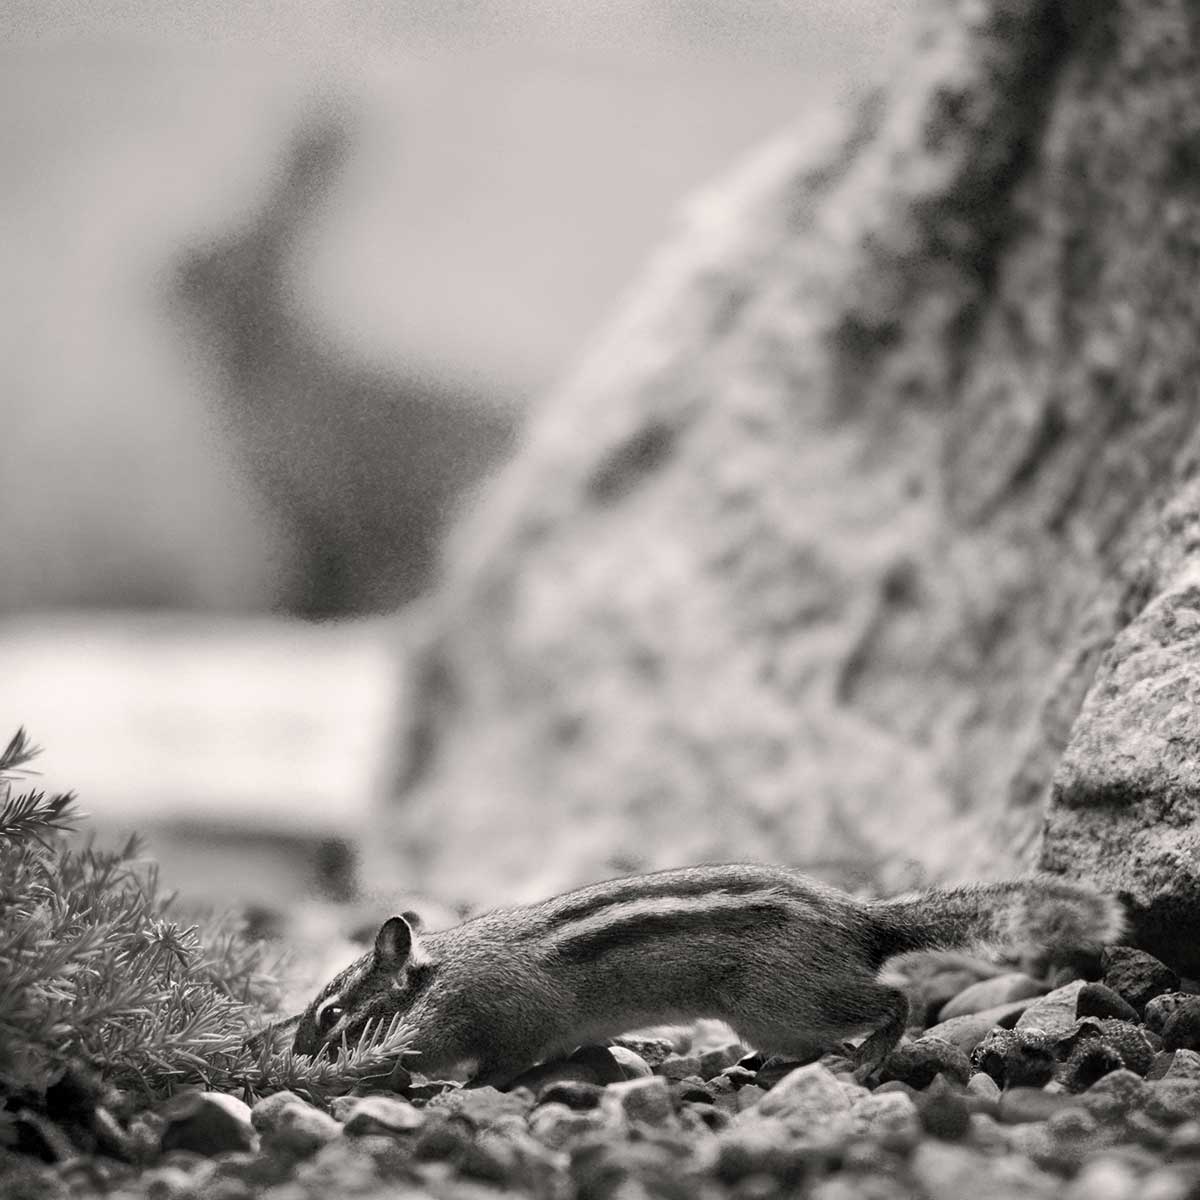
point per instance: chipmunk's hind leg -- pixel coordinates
(869, 1005)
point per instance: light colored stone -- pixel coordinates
(1104, 1178)
(810, 1101)
(647, 1101)
(365, 1115)
(631, 1064)
(990, 994)
(968, 1031)
(888, 1113)
(948, 1171)
(1053, 1013)
(1185, 1065)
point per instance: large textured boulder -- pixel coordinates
(874, 500)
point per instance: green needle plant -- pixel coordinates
(96, 972)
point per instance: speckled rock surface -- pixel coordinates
(873, 500)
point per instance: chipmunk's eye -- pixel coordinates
(328, 1015)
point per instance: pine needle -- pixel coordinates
(94, 969)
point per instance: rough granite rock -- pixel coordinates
(879, 494)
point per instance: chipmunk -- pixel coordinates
(789, 962)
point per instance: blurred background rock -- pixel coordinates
(281, 283)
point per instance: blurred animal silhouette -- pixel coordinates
(360, 465)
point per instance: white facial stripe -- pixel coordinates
(326, 1003)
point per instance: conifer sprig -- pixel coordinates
(95, 968)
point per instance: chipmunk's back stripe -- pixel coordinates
(578, 906)
(732, 879)
(625, 925)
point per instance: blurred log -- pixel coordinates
(818, 555)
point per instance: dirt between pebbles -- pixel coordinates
(1008, 1086)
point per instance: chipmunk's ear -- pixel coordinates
(413, 919)
(394, 942)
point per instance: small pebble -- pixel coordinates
(1184, 1140)
(482, 1105)
(363, 1116)
(1136, 975)
(265, 1112)
(678, 1066)
(1054, 1013)
(1098, 1000)
(301, 1130)
(714, 1118)
(1160, 1007)
(442, 1139)
(1017, 1057)
(738, 1075)
(572, 1093)
(917, 1063)
(1089, 1061)
(558, 1127)
(693, 1088)
(1173, 1101)
(166, 1183)
(897, 1085)
(883, 1115)
(1184, 1064)
(944, 1111)
(207, 1122)
(1181, 1030)
(967, 1032)
(1167, 1183)
(1117, 1094)
(981, 1084)
(647, 1101)
(651, 1050)
(991, 993)
(424, 1090)
(631, 1064)
(809, 1098)
(1104, 1179)
(747, 1097)
(1020, 1105)
(713, 1062)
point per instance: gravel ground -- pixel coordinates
(1008, 1086)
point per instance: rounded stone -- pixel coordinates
(1099, 1000)
(919, 1062)
(1136, 975)
(1181, 1030)
(1159, 1008)
(631, 1064)
(208, 1123)
(991, 993)
(364, 1116)
(1053, 1013)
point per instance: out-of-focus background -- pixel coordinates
(280, 284)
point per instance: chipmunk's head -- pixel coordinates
(376, 987)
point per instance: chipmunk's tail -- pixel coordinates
(1042, 912)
